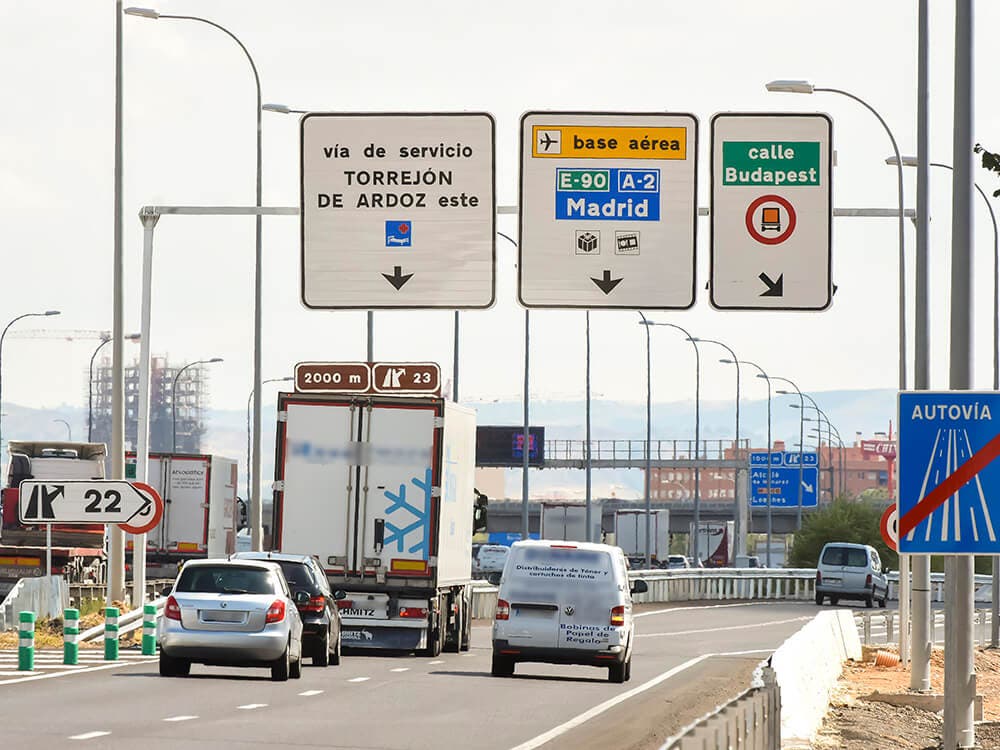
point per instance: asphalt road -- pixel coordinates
(687, 660)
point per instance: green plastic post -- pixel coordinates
(26, 641)
(111, 633)
(71, 636)
(148, 629)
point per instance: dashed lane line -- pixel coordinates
(89, 735)
(436, 661)
(400, 669)
(310, 693)
(251, 706)
(359, 679)
(184, 717)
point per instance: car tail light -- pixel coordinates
(418, 612)
(868, 580)
(315, 604)
(172, 610)
(276, 612)
(618, 615)
(563, 546)
(819, 578)
(503, 610)
(345, 603)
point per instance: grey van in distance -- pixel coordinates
(851, 571)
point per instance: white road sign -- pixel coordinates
(398, 211)
(608, 210)
(90, 501)
(771, 211)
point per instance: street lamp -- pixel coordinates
(90, 383)
(258, 255)
(284, 109)
(739, 521)
(69, 430)
(173, 393)
(805, 87)
(798, 511)
(249, 400)
(649, 446)
(2, 335)
(697, 425)
(911, 161)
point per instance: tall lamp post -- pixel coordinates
(257, 520)
(764, 376)
(69, 430)
(740, 511)
(649, 445)
(693, 544)
(798, 511)
(249, 400)
(173, 394)
(90, 383)
(2, 336)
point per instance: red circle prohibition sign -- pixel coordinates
(889, 526)
(777, 240)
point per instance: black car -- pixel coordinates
(316, 603)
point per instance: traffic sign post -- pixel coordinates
(949, 479)
(889, 527)
(400, 378)
(398, 211)
(772, 208)
(134, 506)
(607, 210)
(784, 484)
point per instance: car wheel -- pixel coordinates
(295, 668)
(503, 666)
(870, 600)
(335, 656)
(628, 669)
(616, 673)
(455, 643)
(321, 656)
(467, 630)
(281, 667)
(433, 649)
(171, 667)
(834, 600)
(881, 602)
(819, 599)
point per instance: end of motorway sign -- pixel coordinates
(771, 212)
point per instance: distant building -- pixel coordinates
(191, 403)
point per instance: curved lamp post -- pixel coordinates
(173, 393)
(249, 401)
(798, 511)
(2, 335)
(90, 382)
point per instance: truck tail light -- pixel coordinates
(618, 615)
(345, 603)
(315, 604)
(868, 580)
(172, 610)
(563, 546)
(414, 612)
(276, 612)
(503, 610)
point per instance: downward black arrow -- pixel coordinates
(607, 283)
(397, 279)
(774, 288)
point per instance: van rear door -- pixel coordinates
(590, 593)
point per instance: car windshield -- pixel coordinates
(851, 557)
(225, 579)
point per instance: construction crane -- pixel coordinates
(66, 334)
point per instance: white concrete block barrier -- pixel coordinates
(807, 666)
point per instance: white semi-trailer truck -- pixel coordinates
(630, 533)
(380, 490)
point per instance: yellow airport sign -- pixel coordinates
(609, 142)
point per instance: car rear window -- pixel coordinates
(228, 579)
(570, 565)
(298, 576)
(850, 557)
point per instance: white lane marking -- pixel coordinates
(359, 679)
(89, 735)
(251, 706)
(400, 669)
(436, 661)
(688, 609)
(731, 627)
(310, 693)
(612, 702)
(180, 718)
(23, 674)
(62, 673)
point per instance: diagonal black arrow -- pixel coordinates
(606, 284)
(398, 278)
(774, 288)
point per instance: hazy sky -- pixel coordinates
(189, 139)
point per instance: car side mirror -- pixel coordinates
(302, 597)
(639, 587)
(339, 595)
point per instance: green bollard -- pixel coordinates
(71, 636)
(26, 642)
(148, 629)
(111, 633)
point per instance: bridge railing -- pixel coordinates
(635, 450)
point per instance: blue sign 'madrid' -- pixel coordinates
(784, 479)
(602, 194)
(949, 478)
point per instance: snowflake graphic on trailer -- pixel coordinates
(398, 234)
(418, 529)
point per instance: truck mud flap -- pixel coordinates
(402, 639)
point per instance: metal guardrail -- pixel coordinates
(751, 720)
(80, 592)
(126, 623)
(870, 623)
(634, 450)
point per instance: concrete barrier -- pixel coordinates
(807, 666)
(47, 596)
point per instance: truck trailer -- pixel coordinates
(715, 543)
(568, 522)
(630, 533)
(380, 490)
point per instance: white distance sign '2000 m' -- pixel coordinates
(398, 211)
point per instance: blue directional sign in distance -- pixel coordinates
(784, 479)
(949, 479)
(608, 193)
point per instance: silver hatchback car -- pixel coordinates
(231, 613)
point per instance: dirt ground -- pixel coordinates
(49, 633)
(855, 723)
